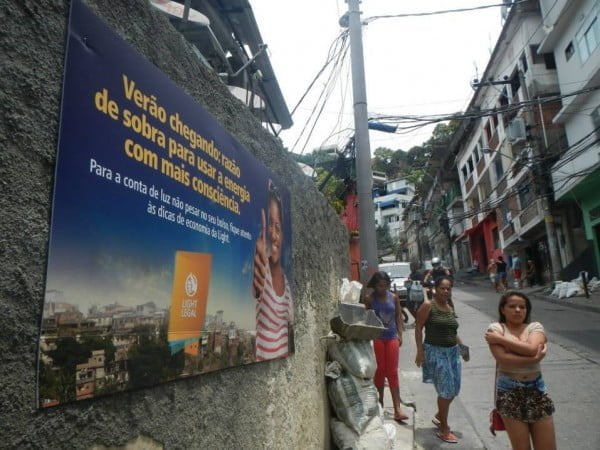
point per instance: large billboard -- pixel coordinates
(170, 244)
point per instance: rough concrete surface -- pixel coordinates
(280, 404)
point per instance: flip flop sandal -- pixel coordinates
(401, 419)
(449, 437)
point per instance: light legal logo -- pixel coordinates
(191, 285)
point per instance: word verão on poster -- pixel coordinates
(216, 180)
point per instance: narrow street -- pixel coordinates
(571, 370)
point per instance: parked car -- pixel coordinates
(399, 273)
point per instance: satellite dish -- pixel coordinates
(177, 9)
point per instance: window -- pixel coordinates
(569, 51)
(515, 85)
(535, 57)
(524, 63)
(550, 61)
(494, 121)
(588, 36)
(525, 195)
(503, 97)
(496, 235)
(505, 211)
(498, 167)
(476, 154)
(596, 121)
(471, 165)
(465, 172)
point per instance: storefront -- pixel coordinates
(585, 195)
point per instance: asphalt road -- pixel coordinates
(571, 370)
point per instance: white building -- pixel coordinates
(572, 30)
(497, 157)
(390, 204)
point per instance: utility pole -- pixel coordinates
(540, 179)
(364, 172)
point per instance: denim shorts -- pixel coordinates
(526, 401)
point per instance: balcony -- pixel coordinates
(494, 141)
(474, 221)
(507, 233)
(480, 166)
(469, 184)
(450, 197)
(530, 216)
(501, 186)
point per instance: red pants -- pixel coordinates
(387, 352)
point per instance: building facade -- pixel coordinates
(390, 203)
(503, 158)
(573, 37)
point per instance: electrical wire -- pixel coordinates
(327, 90)
(339, 54)
(492, 205)
(331, 54)
(445, 11)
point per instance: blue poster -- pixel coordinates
(170, 244)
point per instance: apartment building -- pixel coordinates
(503, 151)
(572, 35)
(390, 203)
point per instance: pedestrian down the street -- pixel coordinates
(436, 272)
(386, 306)
(502, 273)
(492, 270)
(439, 354)
(518, 346)
(415, 294)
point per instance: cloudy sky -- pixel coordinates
(416, 65)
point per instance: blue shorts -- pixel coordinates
(442, 368)
(503, 275)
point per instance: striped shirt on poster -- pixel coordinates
(273, 313)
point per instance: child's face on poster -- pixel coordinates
(275, 232)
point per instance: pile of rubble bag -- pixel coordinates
(574, 288)
(350, 370)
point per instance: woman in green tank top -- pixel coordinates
(439, 355)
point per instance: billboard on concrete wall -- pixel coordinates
(170, 244)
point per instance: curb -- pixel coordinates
(544, 298)
(547, 299)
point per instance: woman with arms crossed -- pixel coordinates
(386, 306)
(518, 347)
(439, 355)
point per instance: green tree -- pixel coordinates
(150, 360)
(49, 382)
(384, 239)
(333, 190)
(67, 354)
(105, 343)
(443, 132)
(415, 176)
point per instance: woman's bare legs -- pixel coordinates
(543, 435)
(518, 433)
(442, 414)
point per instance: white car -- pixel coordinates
(399, 273)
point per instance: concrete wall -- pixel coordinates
(280, 404)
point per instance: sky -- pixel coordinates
(415, 65)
